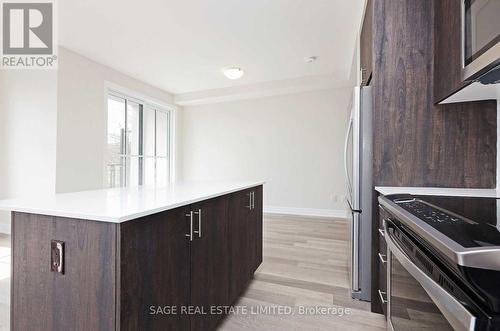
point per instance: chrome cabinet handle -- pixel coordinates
(253, 199)
(383, 296)
(249, 201)
(190, 234)
(199, 222)
(383, 258)
(382, 232)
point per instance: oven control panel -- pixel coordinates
(429, 213)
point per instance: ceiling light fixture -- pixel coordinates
(310, 59)
(233, 72)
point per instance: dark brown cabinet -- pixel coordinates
(366, 42)
(239, 227)
(255, 231)
(154, 251)
(245, 222)
(448, 43)
(209, 261)
(165, 271)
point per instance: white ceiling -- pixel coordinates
(181, 45)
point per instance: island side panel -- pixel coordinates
(83, 298)
(257, 229)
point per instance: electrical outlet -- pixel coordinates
(57, 256)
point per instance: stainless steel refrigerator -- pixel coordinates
(358, 172)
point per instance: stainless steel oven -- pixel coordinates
(480, 36)
(421, 295)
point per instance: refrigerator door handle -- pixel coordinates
(346, 170)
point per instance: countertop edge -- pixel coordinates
(128, 217)
(183, 203)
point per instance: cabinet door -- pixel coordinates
(155, 271)
(448, 49)
(366, 45)
(239, 240)
(209, 261)
(255, 230)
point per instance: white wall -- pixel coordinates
(293, 142)
(81, 120)
(28, 106)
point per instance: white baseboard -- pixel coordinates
(305, 212)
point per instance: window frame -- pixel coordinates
(145, 103)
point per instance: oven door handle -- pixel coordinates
(456, 314)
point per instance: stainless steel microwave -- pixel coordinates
(480, 37)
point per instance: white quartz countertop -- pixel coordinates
(443, 191)
(123, 204)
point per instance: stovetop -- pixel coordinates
(470, 222)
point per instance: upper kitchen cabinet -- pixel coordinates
(448, 43)
(366, 40)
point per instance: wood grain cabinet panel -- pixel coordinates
(245, 224)
(239, 228)
(255, 231)
(418, 143)
(210, 262)
(447, 53)
(154, 271)
(366, 45)
(83, 298)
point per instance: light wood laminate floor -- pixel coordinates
(305, 265)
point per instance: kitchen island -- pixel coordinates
(142, 258)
